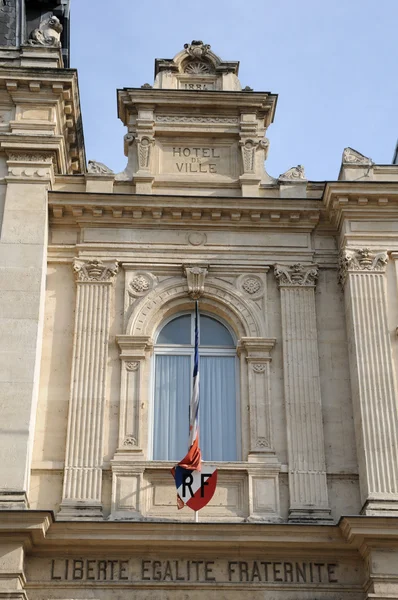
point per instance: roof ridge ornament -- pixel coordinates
(351, 156)
(293, 174)
(197, 49)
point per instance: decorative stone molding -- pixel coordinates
(235, 306)
(357, 260)
(145, 144)
(41, 164)
(137, 285)
(98, 168)
(128, 139)
(140, 284)
(30, 157)
(132, 366)
(197, 49)
(259, 367)
(196, 238)
(295, 174)
(251, 285)
(351, 156)
(248, 152)
(47, 34)
(196, 280)
(248, 148)
(198, 67)
(296, 275)
(130, 441)
(92, 271)
(193, 119)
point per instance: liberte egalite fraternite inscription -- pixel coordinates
(203, 571)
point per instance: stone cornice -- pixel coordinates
(46, 537)
(69, 208)
(360, 200)
(263, 103)
(47, 87)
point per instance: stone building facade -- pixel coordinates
(301, 279)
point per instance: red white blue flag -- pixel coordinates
(192, 461)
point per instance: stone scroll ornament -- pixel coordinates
(47, 34)
(293, 174)
(97, 168)
(195, 487)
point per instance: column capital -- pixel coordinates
(361, 260)
(297, 275)
(94, 271)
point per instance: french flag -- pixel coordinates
(193, 460)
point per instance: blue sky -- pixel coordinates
(334, 66)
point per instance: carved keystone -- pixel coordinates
(196, 280)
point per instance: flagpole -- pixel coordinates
(196, 516)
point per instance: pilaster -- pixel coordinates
(23, 257)
(362, 274)
(257, 356)
(81, 496)
(307, 468)
(127, 464)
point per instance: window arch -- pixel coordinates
(174, 350)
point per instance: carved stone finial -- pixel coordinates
(357, 260)
(98, 168)
(146, 86)
(90, 271)
(293, 174)
(196, 280)
(353, 157)
(47, 34)
(247, 88)
(296, 275)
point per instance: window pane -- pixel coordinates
(217, 412)
(173, 379)
(213, 333)
(177, 331)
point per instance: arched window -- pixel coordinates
(174, 352)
